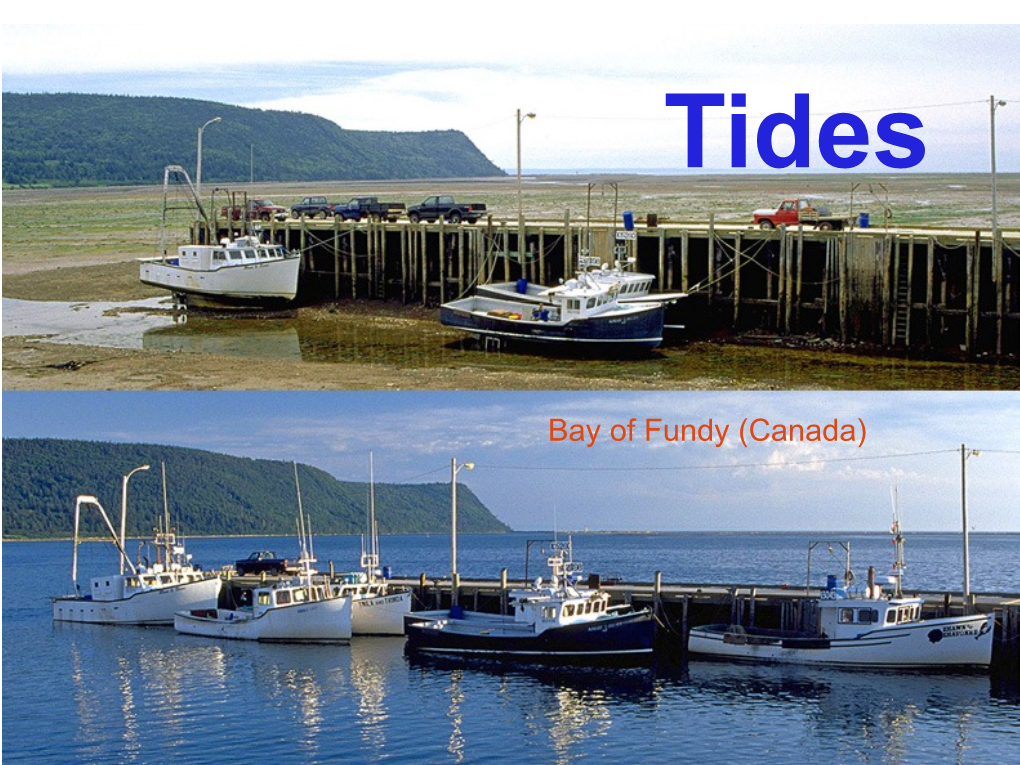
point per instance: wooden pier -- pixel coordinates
(926, 290)
(679, 606)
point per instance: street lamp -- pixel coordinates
(198, 168)
(454, 469)
(964, 454)
(992, 104)
(123, 511)
(520, 199)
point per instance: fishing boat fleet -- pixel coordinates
(559, 619)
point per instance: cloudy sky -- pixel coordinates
(912, 442)
(596, 76)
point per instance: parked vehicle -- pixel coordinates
(261, 561)
(312, 207)
(359, 208)
(446, 207)
(792, 212)
(254, 209)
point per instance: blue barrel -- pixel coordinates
(628, 220)
(830, 583)
(522, 286)
(865, 220)
(387, 572)
(456, 612)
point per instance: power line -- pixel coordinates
(792, 463)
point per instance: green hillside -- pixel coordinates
(210, 493)
(70, 139)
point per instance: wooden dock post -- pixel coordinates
(684, 248)
(503, 591)
(657, 593)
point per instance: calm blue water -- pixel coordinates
(81, 694)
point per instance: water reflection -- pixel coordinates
(569, 710)
(858, 715)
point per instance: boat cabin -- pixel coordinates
(120, 586)
(244, 251)
(846, 612)
(280, 596)
(556, 607)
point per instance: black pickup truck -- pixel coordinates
(311, 207)
(359, 208)
(446, 207)
(260, 561)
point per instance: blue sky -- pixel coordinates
(528, 480)
(596, 79)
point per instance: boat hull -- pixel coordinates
(324, 621)
(259, 283)
(950, 643)
(621, 637)
(152, 607)
(637, 326)
(380, 615)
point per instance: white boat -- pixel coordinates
(378, 609)
(559, 621)
(242, 271)
(580, 311)
(860, 626)
(294, 610)
(146, 593)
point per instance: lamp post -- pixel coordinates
(964, 454)
(454, 469)
(123, 511)
(198, 165)
(992, 105)
(520, 198)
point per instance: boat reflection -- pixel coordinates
(859, 713)
(571, 706)
(275, 338)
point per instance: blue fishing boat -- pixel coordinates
(578, 312)
(555, 622)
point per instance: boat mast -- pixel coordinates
(370, 560)
(899, 564)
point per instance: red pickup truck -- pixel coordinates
(255, 209)
(793, 212)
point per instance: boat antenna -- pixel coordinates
(899, 565)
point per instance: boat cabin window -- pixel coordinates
(132, 581)
(846, 616)
(219, 255)
(166, 579)
(250, 254)
(890, 616)
(568, 610)
(548, 612)
(235, 254)
(300, 596)
(283, 598)
(263, 598)
(867, 615)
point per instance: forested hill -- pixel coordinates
(210, 493)
(70, 139)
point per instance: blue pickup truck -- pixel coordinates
(446, 207)
(360, 208)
